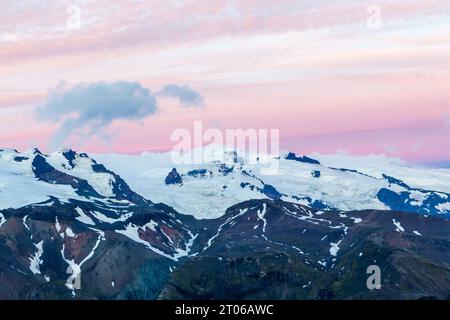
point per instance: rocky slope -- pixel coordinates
(273, 249)
(259, 249)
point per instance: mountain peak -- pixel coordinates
(64, 150)
(36, 151)
(305, 159)
(8, 150)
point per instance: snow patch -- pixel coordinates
(82, 217)
(102, 182)
(2, 220)
(101, 217)
(334, 248)
(69, 232)
(261, 216)
(35, 260)
(132, 231)
(356, 220)
(76, 268)
(443, 207)
(219, 230)
(398, 226)
(24, 221)
(417, 197)
(57, 225)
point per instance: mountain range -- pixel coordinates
(141, 227)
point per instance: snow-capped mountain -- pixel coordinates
(206, 190)
(31, 177)
(135, 227)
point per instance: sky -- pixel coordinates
(360, 77)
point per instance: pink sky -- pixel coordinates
(312, 69)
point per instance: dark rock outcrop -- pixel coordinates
(305, 159)
(173, 177)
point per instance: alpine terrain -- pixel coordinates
(142, 227)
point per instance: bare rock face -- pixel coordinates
(173, 177)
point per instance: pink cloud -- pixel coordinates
(313, 70)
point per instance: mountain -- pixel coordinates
(33, 177)
(271, 248)
(227, 177)
(217, 230)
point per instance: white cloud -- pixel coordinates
(89, 108)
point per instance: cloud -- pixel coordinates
(88, 109)
(447, 123)
(186, 96)
(389, 148)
